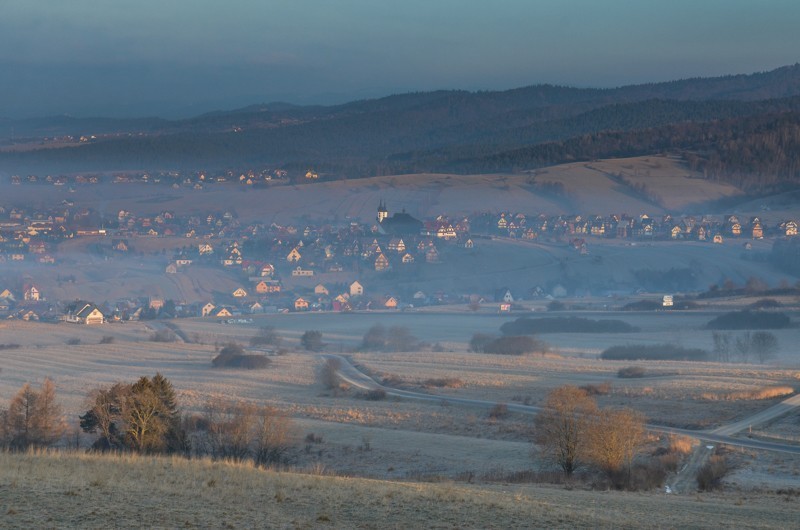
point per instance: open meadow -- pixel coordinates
(406, 439)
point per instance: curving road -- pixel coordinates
(724, 435)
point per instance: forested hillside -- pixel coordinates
(741, 129)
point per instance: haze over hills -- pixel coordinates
(740, 128)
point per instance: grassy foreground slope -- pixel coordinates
(77, 490)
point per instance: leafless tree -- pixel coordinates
(744, 345)
(272, 434)
(328, 373)
(562, 426)
(615, 438)
(764, 345)
(48, 419)
(722, 346)
(229, 426)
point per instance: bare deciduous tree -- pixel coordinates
(271, 435)
(744, 345)
(615, 438)
(228, 427)
(722, 346)
(562, 426)
(238, 430)
(764, 345)
(48, 419)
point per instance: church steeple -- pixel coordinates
(383, 213)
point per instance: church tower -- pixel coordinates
(383, 213)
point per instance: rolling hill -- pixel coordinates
(741, 129)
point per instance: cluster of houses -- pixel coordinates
(193, 179)
(313, 266)
(32, 305)
(714, 229)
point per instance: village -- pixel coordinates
(334, 265)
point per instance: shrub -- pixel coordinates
(647, 475)
(376, 394)
(709, 477)
(479, 341)
(328, 373)
(630, 372)
(311, 340)
(749, 320)
(266, 336)
(680, 444)
(444, 382)
(233, 356)
(164, 335)
(107, 339)
(528, 326)
(499, 411)
(603, 389)
(653, 352)
(9, 346)
(73, 341)
(313, 438)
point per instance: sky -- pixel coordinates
(176, 58)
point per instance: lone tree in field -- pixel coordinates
(311, 340)
(266, 336)
(396, 338)
(562, 428)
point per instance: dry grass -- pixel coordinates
(749, 395)
(71, 490)
(681, 444)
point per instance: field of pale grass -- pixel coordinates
(417, 438)
(79, 490)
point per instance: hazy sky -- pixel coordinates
(180, 57)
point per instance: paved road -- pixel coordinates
(352, 375)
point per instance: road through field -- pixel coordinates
(352, 375)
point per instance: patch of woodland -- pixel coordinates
(653, 352)
(747, 319)
(527, 326)
(507, 345)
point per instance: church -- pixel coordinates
(399, 224)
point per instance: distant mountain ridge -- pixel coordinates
(445, 130)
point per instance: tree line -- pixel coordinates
(145, 417)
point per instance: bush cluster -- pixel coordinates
(233, 356)
(630, 372)
(710, 476)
